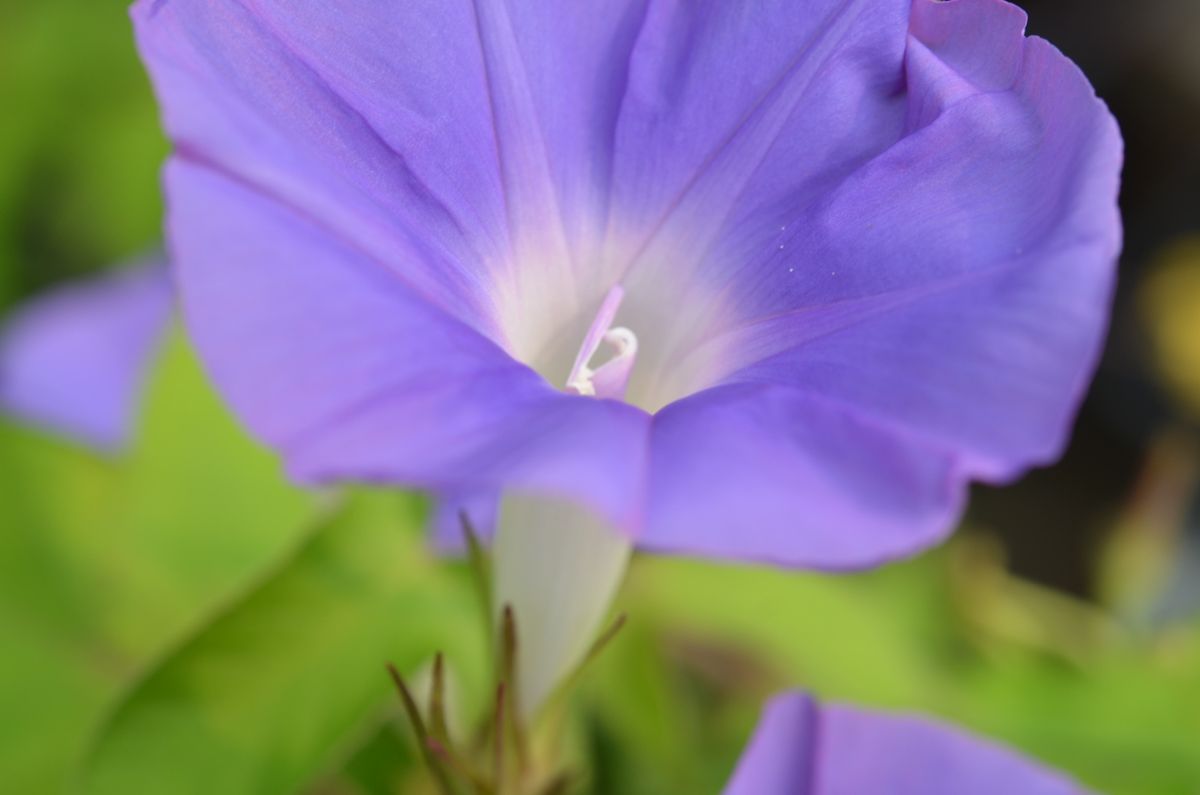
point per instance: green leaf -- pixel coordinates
(105, 562)
(57, 668)
(55, 496)
(204, 508)
(52, 689)
(381, 766)
(290, 679)
(1127, 724)
(645, 734)
(79, 162)
(846, 637)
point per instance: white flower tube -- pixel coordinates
(558, 565)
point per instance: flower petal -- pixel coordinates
(780, 758)
(998, 223)
(800, 748)
(735, 115)
(74, 361)
(354, 377)
(389, 143)
(461, 144)
(776, 475)
(717, 89)
(889, 241)
(946, 299)
(419, 149)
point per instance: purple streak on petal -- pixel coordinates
(729, 110)
(74, 361)
(354, 377)
(778, 475)
(800, 748)
(575, 66)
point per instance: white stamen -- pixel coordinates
(610, 379)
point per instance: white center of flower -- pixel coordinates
(609, 379)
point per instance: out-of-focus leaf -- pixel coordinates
(135, 548)
(290, 678)
(103, 562)
(843, 636)
(650, 731)
(1129, 724)
(52, 689)
(54, 498)
(80, 145)
(203, 507)
(56, 668)
(381, 766)
(1064, 681)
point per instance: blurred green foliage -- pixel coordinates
(286, 680)
(80, 145)
(103, 564)
(181, 619)
(1122, 712)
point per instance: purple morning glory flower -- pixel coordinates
(74, 361)
(770, 280)
(802, 748)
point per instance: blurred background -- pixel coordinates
(175, 613)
